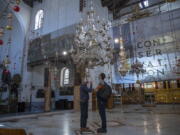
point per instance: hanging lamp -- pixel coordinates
(92, 41)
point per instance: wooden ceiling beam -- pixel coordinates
(118, 5)
(118, 15)
(105, 3)
(121, 5)
(31, 2)
(114, 6)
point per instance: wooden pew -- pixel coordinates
(6, 131)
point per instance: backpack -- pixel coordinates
(106, 92)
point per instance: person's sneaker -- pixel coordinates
(101, 130)
(85, 130)
(88, 130)
(82, 129)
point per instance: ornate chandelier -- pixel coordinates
(92, 41)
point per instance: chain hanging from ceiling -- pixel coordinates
(173, 32)
(137, 67)
(11, 4)
(92, 41)
(124, 66)
(7, 14)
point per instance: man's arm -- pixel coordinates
(89, 89)
(99, 87)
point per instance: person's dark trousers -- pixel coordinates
(102, 111)
(84, 114)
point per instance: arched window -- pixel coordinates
(82, 5)
(144, 3)
(39, 19)
(65, 76)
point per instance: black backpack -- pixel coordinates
(106, 92)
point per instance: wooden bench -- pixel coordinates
(5, 131)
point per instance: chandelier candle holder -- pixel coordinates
(92, 41)
(9, 20)
(124, 65)
(137, 68)
(6, 62)
(177, 67)
(1, 32)
(1, 35)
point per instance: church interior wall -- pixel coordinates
(63, 13)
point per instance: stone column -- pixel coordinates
(48, 91)
(80, 74)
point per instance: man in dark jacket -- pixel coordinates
(84, 98)
(102, 104)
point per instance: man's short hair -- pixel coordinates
(102, 75)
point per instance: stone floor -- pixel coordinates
(124, 120)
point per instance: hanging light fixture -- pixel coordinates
(137, 68)
(9, 20)
(124, 66)
(16, 8)
(9, 27)
(6, 61)
(178, 63)
(1, 32)
(176, 69)
(92, 41)
(1, 35)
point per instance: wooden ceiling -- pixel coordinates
(114, 6)
(31, 2)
